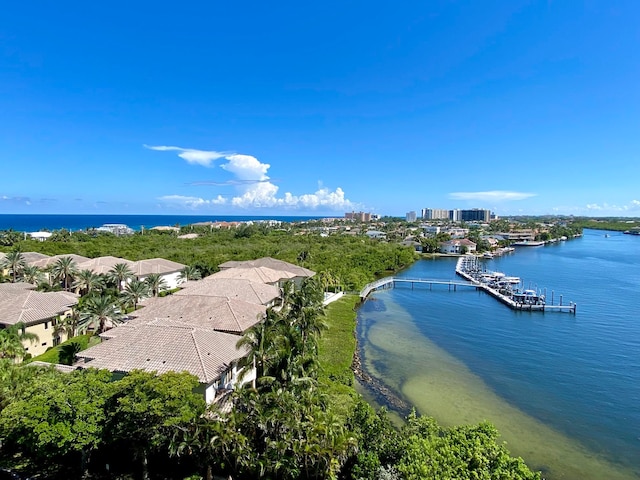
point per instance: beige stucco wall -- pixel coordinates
(45, 332)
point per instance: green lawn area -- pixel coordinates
(52, 355)
(335, 352)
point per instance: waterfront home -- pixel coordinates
(256, 274)
(169, 271)
(39, 311)
(40, 236)
(462, 245)
(162, 345)
(299, 272)
(376, 234)
(216, 313)
(233, 288)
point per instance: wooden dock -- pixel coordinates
(390, 282)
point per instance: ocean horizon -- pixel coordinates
(75, 222)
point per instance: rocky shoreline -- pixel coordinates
(383, 394)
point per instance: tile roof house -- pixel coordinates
(163, 345)
(269, 263)
(103, 265)
(234, 289)
(39, 311)
(456, 246)
(168, 270)
(48, 261)
(256, 274)
(30, 257)
(216, 313)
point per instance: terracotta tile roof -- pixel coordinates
(45, 262)
(155, 265)
(234, 289)
(270, 263)
(255, 274)
(102, 265)
(19, 304)
(165, 345)
(217, 313)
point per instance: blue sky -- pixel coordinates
(259, 108)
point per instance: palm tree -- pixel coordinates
(156, 284)
(68, 324)
(119, 274)
(32, 274)
(259, 339)
(65, 270)
(12, 341)
(87, 282)
(14, 261)
(190, 272)
(99, 313)
(136, 291)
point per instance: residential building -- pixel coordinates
(475, 215)
(458, 246)
(169, 271)
(411, 216)
(38, 311)
(435, 214)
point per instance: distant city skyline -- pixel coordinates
(520, 107)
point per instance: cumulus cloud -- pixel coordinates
(254, 188)
(491, 196)
(191, 155)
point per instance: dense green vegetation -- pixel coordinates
(613, 224)
(301, 419)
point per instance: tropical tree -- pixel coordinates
(14, 262)
(134, 292)
(58, 416)
(32, 274)
(147, 408)
(86, 282)
(190, 272)
(260, 341)
(99, 313)
(12, 340)
(156, 284)
(120, 274)
(68, 324)
(64, 270)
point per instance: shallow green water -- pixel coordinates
(442, 386)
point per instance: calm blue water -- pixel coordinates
(579, 375)
(32, 223)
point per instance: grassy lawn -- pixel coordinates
(336, 348)
(52, 355)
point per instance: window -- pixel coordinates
(56, 341)
(44, 344)
(46, 325)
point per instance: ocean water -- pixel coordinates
(563, 389)
(33, 223)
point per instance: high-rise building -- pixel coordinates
(435, 214)
(411, 216)
(475, 215)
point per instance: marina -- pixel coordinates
(508, 290)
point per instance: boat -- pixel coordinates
(606, 235)
(488, 255)
(528, 243)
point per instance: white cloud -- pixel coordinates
(491, 196)
(631, 206)
(191, 155)
(253, 186)
(25, 200)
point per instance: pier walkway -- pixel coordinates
(471, 282)
(389, 282)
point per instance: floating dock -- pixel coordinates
(469, 268)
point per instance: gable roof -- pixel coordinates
(155, 265)
(102, 265)
(255, 274)
(216, 313)
(18, 303)
(165, 346)
(232, 288)
(270, 263)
